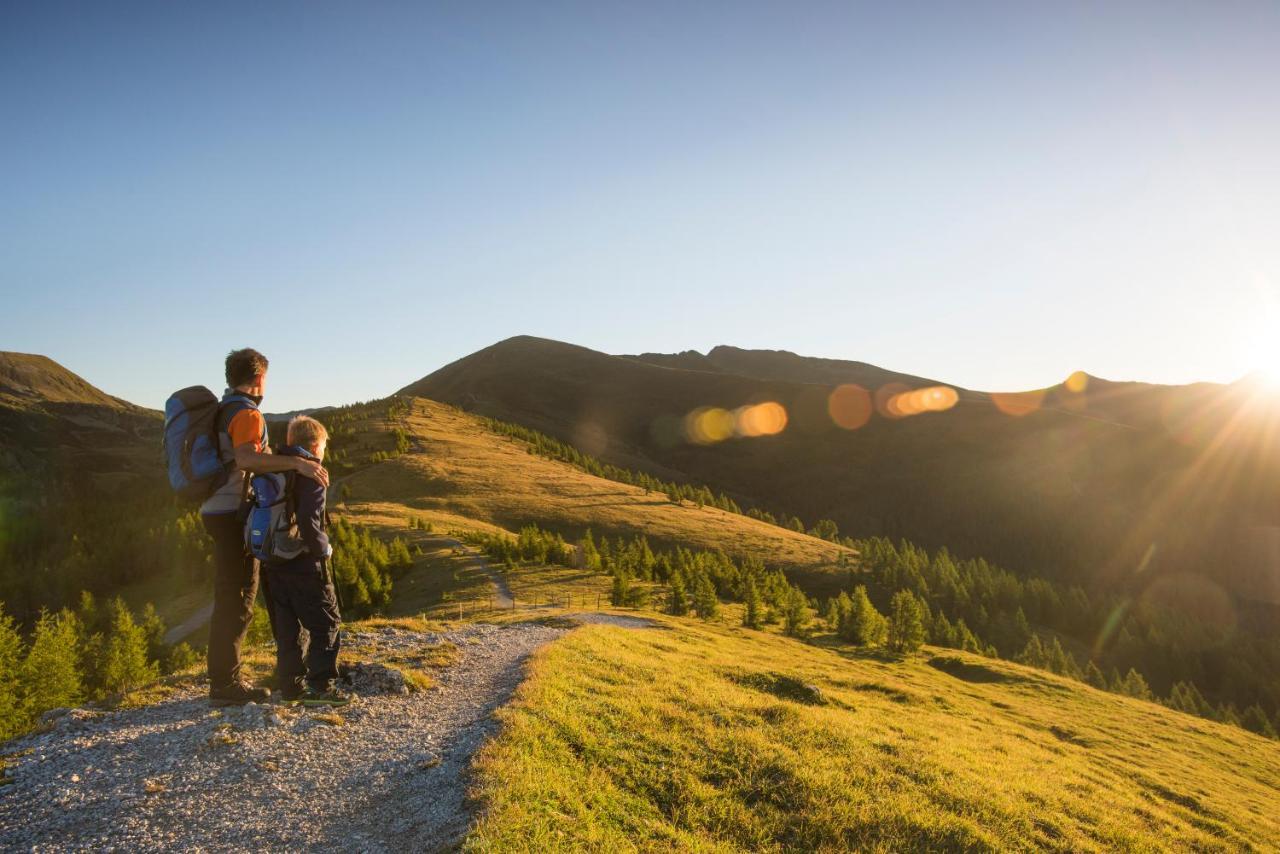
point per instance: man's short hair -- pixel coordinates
(306, 431)
(244, 365)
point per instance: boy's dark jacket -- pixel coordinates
(309, 502)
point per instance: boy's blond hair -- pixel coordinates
(306, 431)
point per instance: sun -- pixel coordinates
(1264, 353)
(1266, 365)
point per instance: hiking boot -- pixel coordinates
(329, 695)
(237, 694)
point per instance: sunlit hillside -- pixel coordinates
(457, 473)
(697, 737)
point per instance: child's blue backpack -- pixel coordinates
(271, 529)
(191, 452)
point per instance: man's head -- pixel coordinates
(310, 434)
(247, 371)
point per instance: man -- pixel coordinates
(300, 594)
(242, 436)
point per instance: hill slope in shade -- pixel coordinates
(1088, 485)
(59, 432)
(706, 738)
(458, 473)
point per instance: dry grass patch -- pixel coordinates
(459, 474)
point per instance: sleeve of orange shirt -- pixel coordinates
(246, 429)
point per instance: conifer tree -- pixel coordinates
(50, 674)
(844, 615)
(1135, 686)
(943, 633)
(1057, 657)
(124, 654)
(1033, 654)
(1093, 676)
(621, 589)
(153, 629)
(795, 612)
(1114, 683)
(705, 601)
(866, 626)
(181, 657)
(825, 529)
(679, 596)
(831, 614)
(12, 715)
(1255, 720)
(753, 618)
(906, 626)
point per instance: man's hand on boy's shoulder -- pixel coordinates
(313, 470)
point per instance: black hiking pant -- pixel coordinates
(305, 622)
(235, 585)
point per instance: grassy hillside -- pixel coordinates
(702, 737)
(1085, 482)
(457, 474)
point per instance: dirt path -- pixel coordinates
(190, 625)
(502, 595)
(390, 775)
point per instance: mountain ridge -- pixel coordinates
(1083, 478)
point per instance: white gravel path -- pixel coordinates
(179, 776)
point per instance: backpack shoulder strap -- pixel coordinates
(291, 496)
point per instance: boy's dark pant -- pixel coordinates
(305, 621)
(235, 584)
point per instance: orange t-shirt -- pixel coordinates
(246, 429)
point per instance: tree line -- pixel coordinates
(695, 581)
(364, 567)
(90, 652)
(1140, 649)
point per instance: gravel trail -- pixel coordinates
(387, 773)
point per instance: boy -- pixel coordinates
(300, 593)
(242, 436)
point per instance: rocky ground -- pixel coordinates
(387, 772)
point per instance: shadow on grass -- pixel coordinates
(779, 685)
(969, 671)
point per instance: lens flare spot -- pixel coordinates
(885, 396)
(1077, 382)
(708, 425)
(937, 398)
(1018, 403)
(762, 419)
(1109, 627)
(849, 406)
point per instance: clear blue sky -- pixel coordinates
(990, 194)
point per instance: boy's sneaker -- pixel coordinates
(237, 694)
(292, 693)
(330, 695)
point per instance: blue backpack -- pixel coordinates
(271, 529)
(195, 464)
